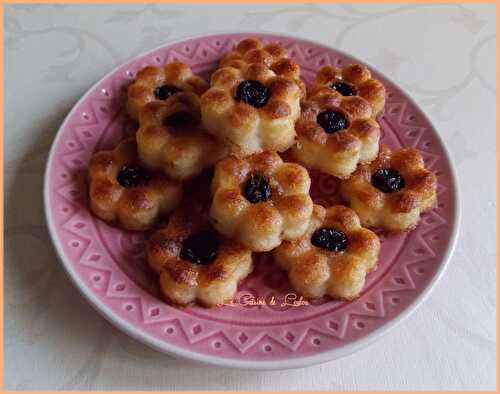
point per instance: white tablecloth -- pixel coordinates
(444, 55)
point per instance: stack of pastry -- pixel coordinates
(238, 129)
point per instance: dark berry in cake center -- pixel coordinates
(330, 239)
(257, 188)
(388, 180)
(181, 120)
(201, 247)
(332, 121)
(253, 93)
(132, 176)
(344, 88)
(165, 91)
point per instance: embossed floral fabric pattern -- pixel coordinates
(35, 309)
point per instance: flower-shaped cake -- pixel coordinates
(194, 262)
(251, 109)
(121, 190)
(273, 55)
(159, 83)
(352, 80)
(335, 133)
(392, 191)
(260, 200)
(332, 257)
(171, 137)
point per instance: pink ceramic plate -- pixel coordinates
(108, 264)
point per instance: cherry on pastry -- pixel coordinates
(392, 191)
(388, 180)
(201, 247)
(257, 188)
(344, 88)
(163, 92)
(332, 121)
(253, 93)
(330, 239)
(352, 80)
(161, 83)
(132, 176)
(335, 133)
(251, 109)
(181, 121)
(122, 191)
(272, 55)
(332, 257)
(172, 139)
(260, 200)
(195, 263)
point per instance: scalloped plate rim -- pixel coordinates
(280, 364)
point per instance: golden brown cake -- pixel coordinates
(392, 191)
(194, 262)
(273, 55)
(332, 257)
(352, 80)
(122, 191)
(251, 109)
(160, 83)
(260, 200)
(172, 139)
(335, 133)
